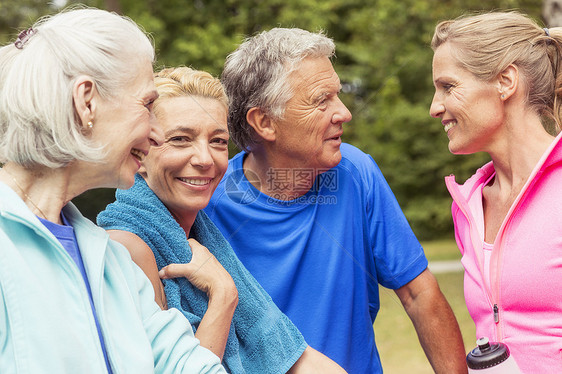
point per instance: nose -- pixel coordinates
(342, 114)
(156, 136)
(202, 157)
(436, 108)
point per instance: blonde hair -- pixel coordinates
(184, 81)
(486, 44)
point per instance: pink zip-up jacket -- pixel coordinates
(523, 306)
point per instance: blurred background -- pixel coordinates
(384, 63)
(383, 60)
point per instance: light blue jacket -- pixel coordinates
(46, 322)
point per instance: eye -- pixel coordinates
(448, 87)
(178, 140)
(220, 141)
(323, 101)
(149, 105)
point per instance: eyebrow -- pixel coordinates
(327, 92)
(191, 131)
(440, 81)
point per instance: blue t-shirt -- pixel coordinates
(322, 256)
(65, 235)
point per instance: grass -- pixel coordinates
(396, 338)
(441, 250)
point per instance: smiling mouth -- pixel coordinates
(137, 154)
(196, 182)
(449, 126)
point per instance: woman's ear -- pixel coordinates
(261, 123)
(508, 82)
(85, 98)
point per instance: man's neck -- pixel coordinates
(279, 180)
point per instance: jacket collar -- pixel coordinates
(92, 240)
(551, 157)
(11, 205)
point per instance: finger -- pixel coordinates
(174, 271)
(197, 248)
(192, 242)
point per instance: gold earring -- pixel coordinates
(90, 124)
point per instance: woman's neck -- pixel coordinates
(517, 157)
(185, 220)
(45, 191)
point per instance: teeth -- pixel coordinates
(138, 154)
(449, 126)
(197, 182)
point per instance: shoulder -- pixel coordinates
(142, 255)
(352, 152)
(358, 165)
(140, 251)
(356, 159)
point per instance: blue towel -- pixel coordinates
(262, 339)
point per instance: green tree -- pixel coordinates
(383, 59)
(20, 14)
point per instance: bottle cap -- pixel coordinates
(487, 355)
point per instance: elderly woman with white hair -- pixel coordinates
(76, 98)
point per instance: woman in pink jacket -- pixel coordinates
(498, 89)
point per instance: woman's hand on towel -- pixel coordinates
(207, 274)
(204, 271)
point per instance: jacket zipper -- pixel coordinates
(453, 186)
(488, 291)
(65, 257)
(499, 241)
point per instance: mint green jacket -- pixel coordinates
(46, 322)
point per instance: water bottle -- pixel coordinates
(491, 358)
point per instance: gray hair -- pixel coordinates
(256, 75)
(486, 44)
(38, 122)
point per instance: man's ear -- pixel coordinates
(85, 96)
(508, 81)
(261, 123)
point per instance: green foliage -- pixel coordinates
(18, 15)
(383, 59)
(386, 58)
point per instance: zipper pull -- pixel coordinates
(496, 313)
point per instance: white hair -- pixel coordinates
(38, 122)
(257, 75)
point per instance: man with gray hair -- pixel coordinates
(313, 219)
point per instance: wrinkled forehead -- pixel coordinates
(314, 72)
